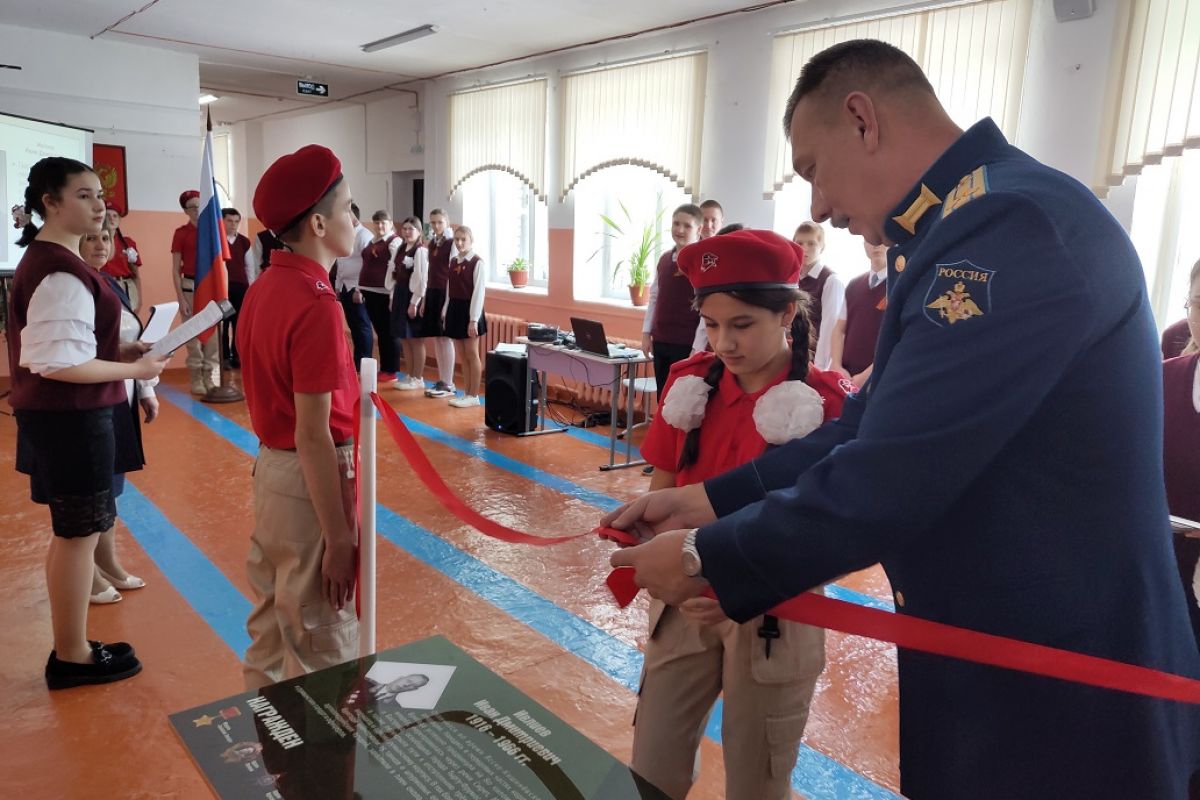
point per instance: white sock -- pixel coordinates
(444, 349)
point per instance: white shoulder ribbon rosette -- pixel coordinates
(787, 411)
(684, 405)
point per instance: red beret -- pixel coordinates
(745, 259)
(295, 183)
(188, 195)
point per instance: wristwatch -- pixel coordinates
(691, 556)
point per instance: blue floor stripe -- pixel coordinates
(816, 775)
(203, 586)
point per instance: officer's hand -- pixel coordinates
(664, 510)
(703, 611)
(338, 574)
(658, 566)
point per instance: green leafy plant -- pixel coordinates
(639, 264)
(518, 265)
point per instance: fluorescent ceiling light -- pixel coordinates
(205, 99)
(400, 38)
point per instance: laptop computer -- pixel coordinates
(589, 337)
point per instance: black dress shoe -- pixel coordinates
(120, 650)
(105, 668)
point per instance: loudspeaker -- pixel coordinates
(511, 395)
(1067, 10)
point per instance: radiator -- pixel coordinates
(502, 328)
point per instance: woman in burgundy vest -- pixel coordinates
(1181, 445)
(411, 272)
(67, 371)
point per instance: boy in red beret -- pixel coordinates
(301, 387)
(204, 368)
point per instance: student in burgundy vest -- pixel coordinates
(441, 248)
(1175, 338)
(463, 319)
(126, 263)
(826, 290)
(65, 390)
(1181, 445)
(669, 327)
(853, 346)
(260, 253)
(375, 282)
(239, 267)
(410, 270)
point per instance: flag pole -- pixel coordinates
(369, 384)
(226, 391)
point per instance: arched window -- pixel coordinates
(633, 198)
(508, 222)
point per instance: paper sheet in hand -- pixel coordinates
(198, 324)
(161, 317)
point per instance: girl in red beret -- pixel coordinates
(719, 410)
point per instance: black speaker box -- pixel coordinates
(510, 396)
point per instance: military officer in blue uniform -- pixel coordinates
(1003, 462)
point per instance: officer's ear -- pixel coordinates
(861, 110)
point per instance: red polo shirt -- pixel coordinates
(728, 436)
(290, 337)
(118, 265)
(184, 243)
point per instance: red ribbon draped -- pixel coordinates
(901, 630)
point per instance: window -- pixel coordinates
(600, 271)
(973, 54)
(223, 168)
(509, 222)
(1166, 198)
(843, 250)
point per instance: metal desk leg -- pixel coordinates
(541, 417)
(612, 440)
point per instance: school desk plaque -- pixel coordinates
(424, 721)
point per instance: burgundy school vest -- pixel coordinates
(1181, 444)
(235, 265)
(376, 261)
(815, 288)
(462, 278)
(864, 314)
(404, 271)
(439, 262)
(675, 321)
(33, 392)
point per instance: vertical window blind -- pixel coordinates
(648, 114)
(972, 52)
(502, 128)
(1153, 108)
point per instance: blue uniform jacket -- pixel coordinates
(1004, 464)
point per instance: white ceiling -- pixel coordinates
(252, 51)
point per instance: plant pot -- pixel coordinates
(519, 278)
(639, 295)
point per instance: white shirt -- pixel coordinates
(60, 325)
(876, 278)
(350, 267)
(476, 307)
(389, 280)
(833, 308)
(420, 276)
(249, 262)
(1196, 398)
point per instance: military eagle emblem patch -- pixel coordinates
(959, 292)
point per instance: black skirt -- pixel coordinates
(458, 318)
(431, 320)
(71, 457)
(403, 326)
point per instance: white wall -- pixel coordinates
(1060, 114)
(139, 97)
(372, 141)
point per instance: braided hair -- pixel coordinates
(47, 177)
(799, 335)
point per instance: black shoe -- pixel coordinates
(648, 470)
(119, 650)
(105, 668)
(235, 363)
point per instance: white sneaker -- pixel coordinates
(409, 384)
(466, 401)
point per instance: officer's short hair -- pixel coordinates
(861, 64)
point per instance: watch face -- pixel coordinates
(691, 563)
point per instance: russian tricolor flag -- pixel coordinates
(212, 248)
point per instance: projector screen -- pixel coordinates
(23, 142)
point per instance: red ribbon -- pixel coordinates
(902, 630)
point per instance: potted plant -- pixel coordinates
(518, 273)
(639, 263)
